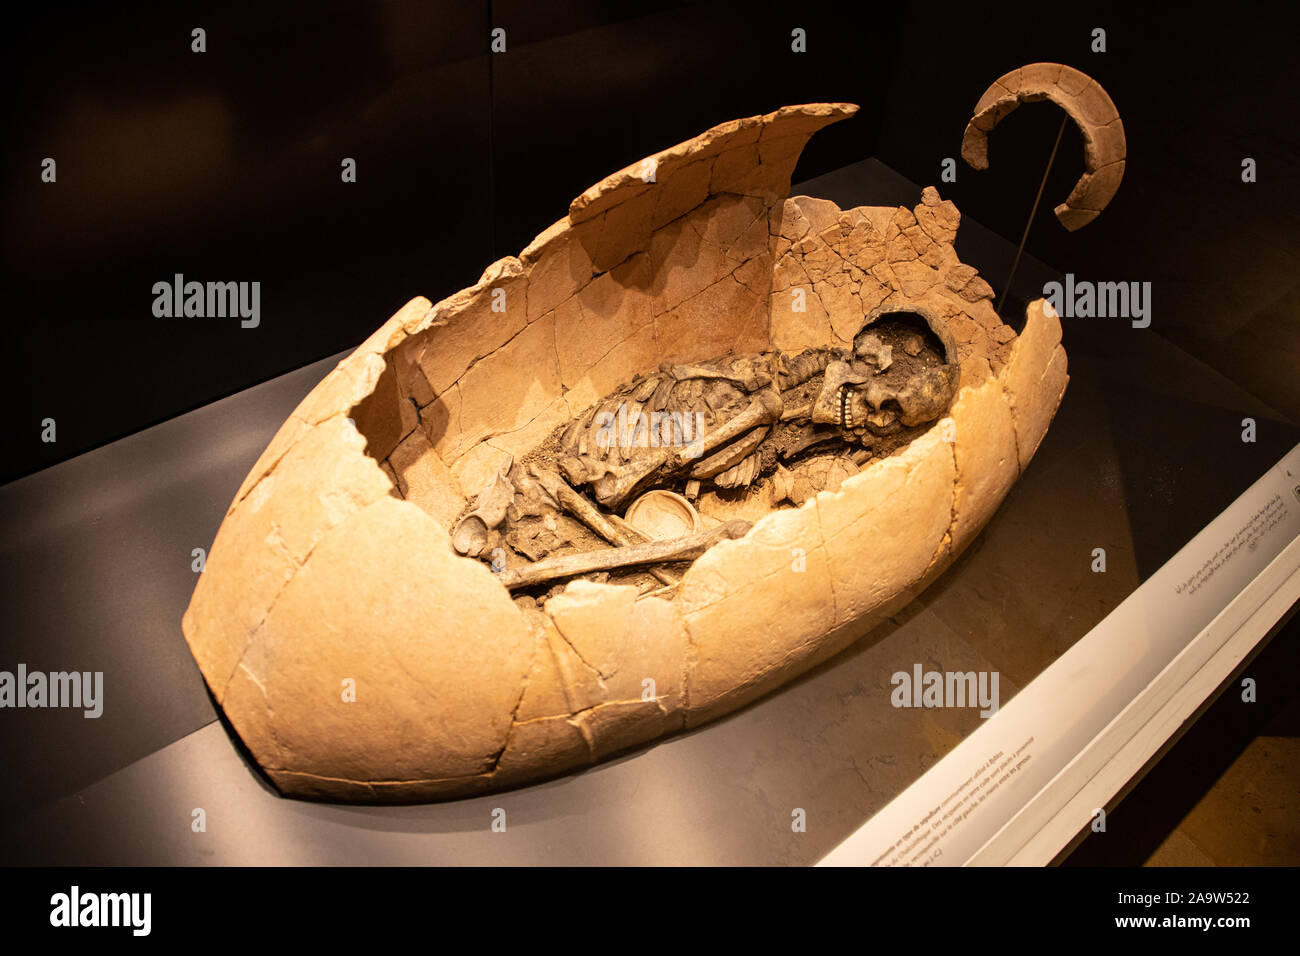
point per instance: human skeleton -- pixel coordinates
(726, 421)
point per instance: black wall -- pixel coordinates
(1199, 87)
(225, 165)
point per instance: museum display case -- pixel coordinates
(785, 496)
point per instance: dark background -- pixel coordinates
(225, 165)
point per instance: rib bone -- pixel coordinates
(618, 484)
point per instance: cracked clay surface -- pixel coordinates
(360, 658)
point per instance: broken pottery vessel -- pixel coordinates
(360, 657)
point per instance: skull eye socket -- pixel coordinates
(903, 324)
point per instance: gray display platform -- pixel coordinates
(96, 564)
